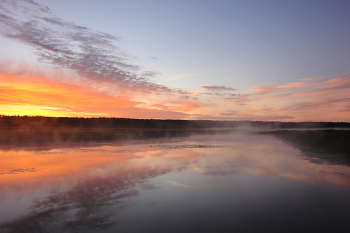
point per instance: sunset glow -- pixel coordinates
(174, 116)
(66, 69)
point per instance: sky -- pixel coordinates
(215, 60)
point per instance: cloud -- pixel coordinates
(232, 97)
(223, 92)
(91, 54)
(316, 99)
(264, 89)
(219, 88)
(181, 106)
(184, 75)
(182, 185)
(230, 113)
(196, 92)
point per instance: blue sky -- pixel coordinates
(233, 44)
(248, 42)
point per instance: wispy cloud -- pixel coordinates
(219, 88)
(263, 89)
(184, 75)
(93, 55)
(229, 113)
(197, 92)
(171, 105)
(316, 99)
(182, 185)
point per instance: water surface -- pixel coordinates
(241, 182)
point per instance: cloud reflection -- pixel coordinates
(85, 189)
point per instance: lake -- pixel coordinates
(232, 182)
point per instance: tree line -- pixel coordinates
(105, 122)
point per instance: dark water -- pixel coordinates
(224, 183)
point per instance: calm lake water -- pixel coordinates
(240, 182)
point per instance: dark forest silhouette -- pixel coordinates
(102, 122)
(23, 131)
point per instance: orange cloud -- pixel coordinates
(184, 75)
(197, 92)
(295, 85)
(310, 100)
(263, 89)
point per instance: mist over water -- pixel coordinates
(237, 182)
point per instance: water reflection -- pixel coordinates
(242, 182)
(328, 146)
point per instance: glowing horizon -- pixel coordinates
(51, 66)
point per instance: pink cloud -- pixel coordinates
(315, 99)
(263, 89)
(181, 76)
